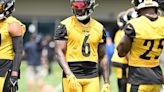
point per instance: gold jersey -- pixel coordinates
(115, 57)
(147, 43)
(82, 40)
(6, 47)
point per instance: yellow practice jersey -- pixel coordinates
(147, 42)
(82, 40)
(115, 57)
(6, 47)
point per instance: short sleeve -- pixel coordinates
(129, 31)
(104, 35)
(61, 32)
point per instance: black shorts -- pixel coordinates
(145, 75)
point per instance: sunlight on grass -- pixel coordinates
(54, 79)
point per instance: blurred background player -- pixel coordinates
(161, 7)
(143, 38)
(11, 47)
(120, 64)
(33, 50)
(80, 43)
(48, 52)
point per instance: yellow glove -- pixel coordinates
(73, 83)
(106, 88)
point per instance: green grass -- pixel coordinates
(54, 79)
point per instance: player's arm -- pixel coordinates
(60, 48)
(103, 57)
(15, 30)
(126, 42)
(104, 62)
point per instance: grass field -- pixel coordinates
(54, 80)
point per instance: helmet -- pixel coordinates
(6, 8)
(125, 16)
(139, 4)
(82, 9)
(161, 4)
(131, 13)
(121, 19)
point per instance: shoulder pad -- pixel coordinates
(61, 32)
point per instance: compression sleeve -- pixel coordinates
(18, 49)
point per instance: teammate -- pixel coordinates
(80, 43)
(161, 7)
(143, 39)
(161, 10)
(11, 46)
(120, 64)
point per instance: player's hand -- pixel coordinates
(13, 83)
(106, 88)
(73, 83)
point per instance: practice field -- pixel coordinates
(53, 80)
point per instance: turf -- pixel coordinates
(54, 79)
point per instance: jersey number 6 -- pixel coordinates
(86, 47)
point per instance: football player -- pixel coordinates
(80, 43)
(144, 40)
(11, 46)
(120, 64)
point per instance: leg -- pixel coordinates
(40, 85)
(91, 85)
(132, 88)
(150, 88)
(2, 81)
(156, 88)
(66, 87)
(39, 77)
(121, 74)
(31, 85)
(30, 78)
(143, 88)
(122, 84)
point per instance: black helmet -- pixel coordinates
(131, 13)
(121, 19)
(82, 9)
(6, 8)
(161, 4)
